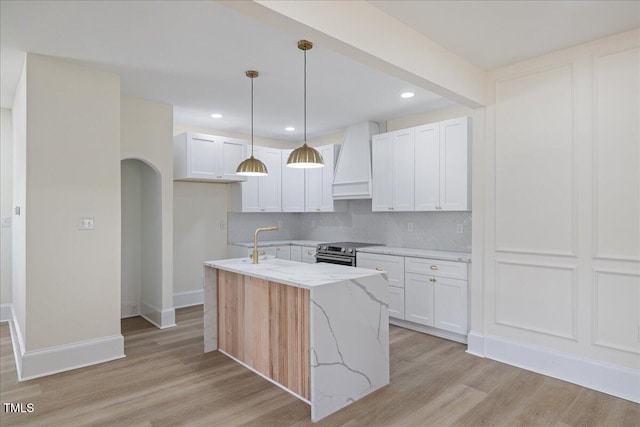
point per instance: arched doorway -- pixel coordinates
(141, 274)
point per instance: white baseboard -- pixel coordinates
(475, 344)
(48, 361)
(162, 319)
(428, 330)
(6, 312)
(189, 298)
(608, 378)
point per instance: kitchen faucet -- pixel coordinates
(255, 240)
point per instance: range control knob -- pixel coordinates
(341, 249)
(324, 248)
(350, 250)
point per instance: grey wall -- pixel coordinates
(431, 230)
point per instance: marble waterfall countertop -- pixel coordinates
(292, 273)
(417, 253)
(264, 243)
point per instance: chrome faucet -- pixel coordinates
(255, 240)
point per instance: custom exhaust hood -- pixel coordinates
(352, 179)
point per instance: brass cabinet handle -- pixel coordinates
(309, 252)
(261, 252)
(390, 209)
(379, 268)
(434, 267)
(262, 210)
(251, 256)
(318, 209)
(433, 279)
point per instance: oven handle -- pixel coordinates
(345, 260)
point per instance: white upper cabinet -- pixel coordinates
(403, 170)
(319, 183)
(393, 171)
(425, 168)
(293, 186)
(381, 156)
(200, 157)
(454, 165)
(260, 193)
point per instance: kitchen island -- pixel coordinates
(319, 331)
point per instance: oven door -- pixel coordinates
(336, 259)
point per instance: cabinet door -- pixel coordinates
(418, 291)
(270, 185)
(381, 156)
(293, 186)
(328, 153)
(450, 297)
(454, 176)
(313, 196)
(308, 255)
(203, 157)
(396, 302)
(427, 167)
(250, 188)
(232, 154)
(403, 170)
(283, 252)
(296, 253)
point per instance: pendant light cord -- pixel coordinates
(251, 116)
(305, 96)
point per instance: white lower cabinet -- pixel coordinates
(424, 291)
(308, 255)
(296, 253)
(283, 252)
(396, 302)
(419, 301)
(451, 310)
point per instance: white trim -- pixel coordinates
(266, 377)
(6, 312)
(429, 330)
(189, 298)
(608, 378)
(161, 319)
(476, 344)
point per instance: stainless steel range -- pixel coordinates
(343, 253)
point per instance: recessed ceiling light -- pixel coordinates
(407, 95)
(289, 128)
(216, 115)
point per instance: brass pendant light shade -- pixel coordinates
(305, 157)
(252, 166)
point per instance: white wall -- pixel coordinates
(561, 219)
(6, 203)
(147, 128)
(151, 234)
(131, 276)
(66, 166)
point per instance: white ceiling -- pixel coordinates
(193, 54)
(491, 34)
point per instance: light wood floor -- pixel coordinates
(167, 380)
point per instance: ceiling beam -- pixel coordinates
(365, 33)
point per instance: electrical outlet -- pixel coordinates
(410, 226)
(134, 309)
(222, 225)
(460, 229)
(86, 223)
(6, 222)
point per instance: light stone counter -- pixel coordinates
(348, 325)
(418, 253)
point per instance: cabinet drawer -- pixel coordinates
(391, 264)
(308, 255)
(437, 268)
(396, 302)
(296, 253)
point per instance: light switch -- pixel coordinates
(5, 222)
(86, 223)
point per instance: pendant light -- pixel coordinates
(252, 166)
(305, 157)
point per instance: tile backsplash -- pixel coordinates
(430, 230)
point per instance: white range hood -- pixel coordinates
(352, 179)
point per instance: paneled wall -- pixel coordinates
(562, 216)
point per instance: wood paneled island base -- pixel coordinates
(319, 331)
(265, 325)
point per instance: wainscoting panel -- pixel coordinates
(534, 164)
(537, 297)
(616, 303)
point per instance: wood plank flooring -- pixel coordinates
(167, 380)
